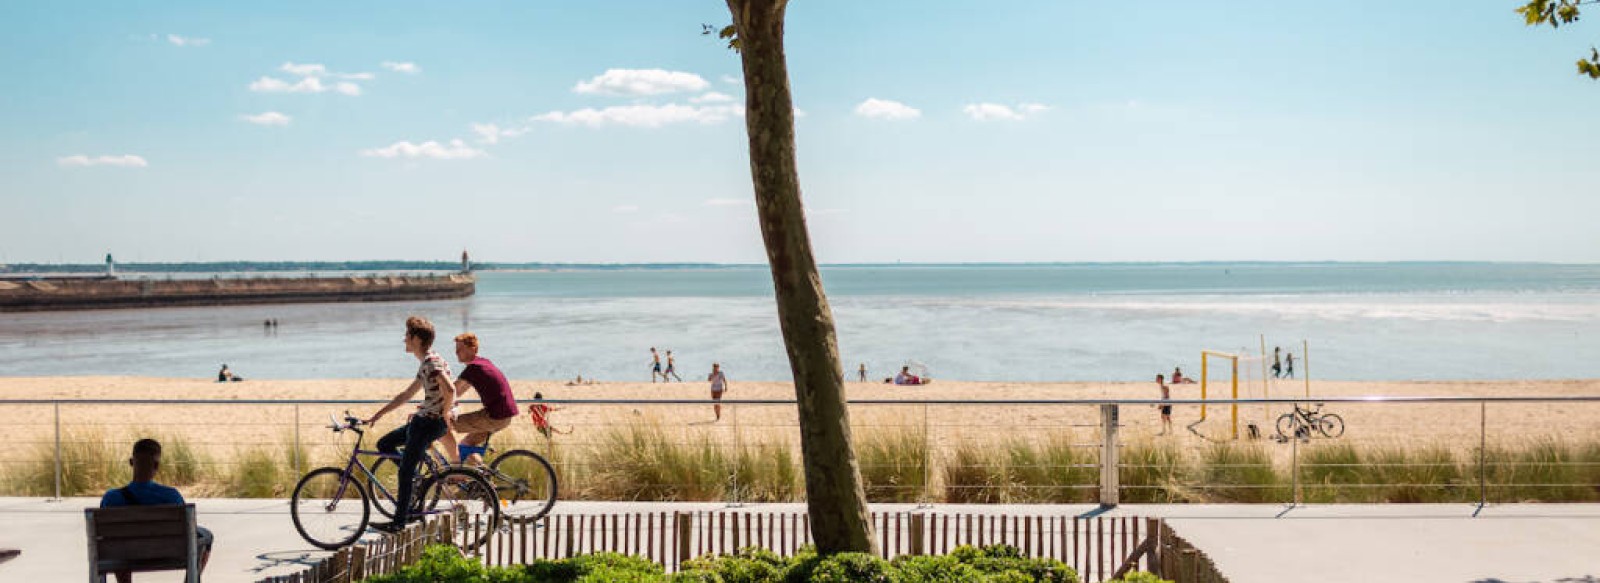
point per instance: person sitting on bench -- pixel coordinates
(144, 491)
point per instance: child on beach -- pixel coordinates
(1166, 410)
(540, 414)
(672, 368)
(1289, 366)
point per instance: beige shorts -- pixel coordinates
(480, 422)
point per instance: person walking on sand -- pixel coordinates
(719, 383)
(655, 365)
(1277, 365)
(1166, 410)
(862, 372)
(672, 368)
(540, 412)
(1288, 362)
(431, 421)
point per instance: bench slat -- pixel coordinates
(111, 532)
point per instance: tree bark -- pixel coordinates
(835, 499)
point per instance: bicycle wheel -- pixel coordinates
(387, 472)
(525, 482)
(329, 509)
(467, 490)
(1330, 425)
(1288, 423)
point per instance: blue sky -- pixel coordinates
(930, 131)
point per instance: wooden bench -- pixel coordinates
(142, 538)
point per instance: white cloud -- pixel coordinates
(625, 209)
(123, 161)
(729, 202)
(647, 116)
(402, 67)
(990, 112)
(305, 69)
(357, 76)
(187, 41)
(304, 85)
(731, 80)
(998, 112)
(711, 97)
(886, 109)
(489, 133)
(267, 118)
(641, 82)
(455, 150)
(276, 85)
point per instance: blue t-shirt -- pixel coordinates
(147, 493)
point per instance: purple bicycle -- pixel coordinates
(331, 506)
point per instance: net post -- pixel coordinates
(1205, 378)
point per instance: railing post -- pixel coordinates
(1483, 452)
(1294, 469)
(1109, 487)
(927, 463)
(296, 453)
(58, 452)
(738, 455)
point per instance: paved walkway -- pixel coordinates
(1250, 543)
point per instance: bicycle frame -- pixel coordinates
(355, 462)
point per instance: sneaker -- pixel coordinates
(388, 527)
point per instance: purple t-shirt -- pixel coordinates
(492, 388)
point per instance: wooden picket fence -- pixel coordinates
(381, 556)
(1097, 547)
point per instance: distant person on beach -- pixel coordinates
(429, 423)
(144, 491)
(672, 368)
(719, 383)
(539, 412)
(1277, 364)
(655, 365)
(1166, 410)
(225, 375)
(863, 372)
(1179, 379)
(1288, 362)
(906, 378)
(499, 405)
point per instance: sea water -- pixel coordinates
(1089, 322)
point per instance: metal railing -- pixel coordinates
(1409, 448)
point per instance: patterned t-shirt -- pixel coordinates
(432, 394)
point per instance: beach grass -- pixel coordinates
(646, 460)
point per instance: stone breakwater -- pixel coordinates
(104, 293)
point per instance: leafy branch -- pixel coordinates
(1556, 13)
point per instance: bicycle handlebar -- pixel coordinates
(351, 422)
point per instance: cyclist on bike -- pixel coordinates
(429, 423)
(499, 405)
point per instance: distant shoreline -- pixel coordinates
(54, 269)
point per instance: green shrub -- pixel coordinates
(1139, 577)
(935, 569)
(439, 563)
(843, 568)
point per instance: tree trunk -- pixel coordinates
(834, 496)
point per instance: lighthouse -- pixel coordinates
(111, 267)
(466, 263)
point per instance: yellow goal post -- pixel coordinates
(1205, 380)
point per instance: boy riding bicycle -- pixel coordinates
(429, 423)
(499, 404)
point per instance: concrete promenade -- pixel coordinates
(1250, 543)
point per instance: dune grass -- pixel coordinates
(644, 460)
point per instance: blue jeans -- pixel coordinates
(416, 436)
